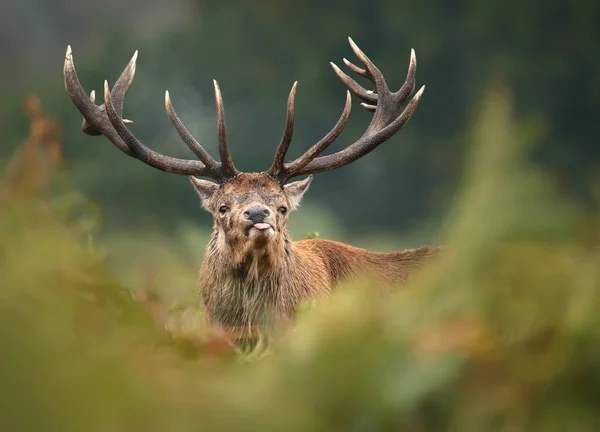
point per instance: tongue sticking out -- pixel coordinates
(262, 226)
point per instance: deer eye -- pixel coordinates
(282, 210)
(223, 209)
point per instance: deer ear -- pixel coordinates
(205, 189)
(295, 191)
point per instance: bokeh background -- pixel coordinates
(502, 148)
(545, 52)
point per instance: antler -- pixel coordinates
(107, 120)
(388, 119)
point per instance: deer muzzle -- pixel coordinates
(257, 217)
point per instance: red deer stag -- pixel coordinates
(253, 274)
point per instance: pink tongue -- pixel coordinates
(262, 226)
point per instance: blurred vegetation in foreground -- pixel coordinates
(502, 334)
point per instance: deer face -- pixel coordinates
(251, 208)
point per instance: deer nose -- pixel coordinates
(256, 214)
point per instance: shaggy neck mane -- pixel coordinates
(247, 279)
(254, 260)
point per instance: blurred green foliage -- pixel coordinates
(502, 333)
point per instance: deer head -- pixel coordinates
(250, 210)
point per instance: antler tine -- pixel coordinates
(371, 72)
(375, 74)
(107, 120)
(293, 167)
(226, 160)
(187, 137)
(409, 84)
(93, 100)
(286, 139)
(369, 106)
(358, 71)
(356, 88)
(118, 93)
(120, 88)
(85, 105)
(388, 118)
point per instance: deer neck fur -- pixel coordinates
(252, 284)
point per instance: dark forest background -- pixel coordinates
(544, 51)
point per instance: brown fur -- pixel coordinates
(255, 279)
